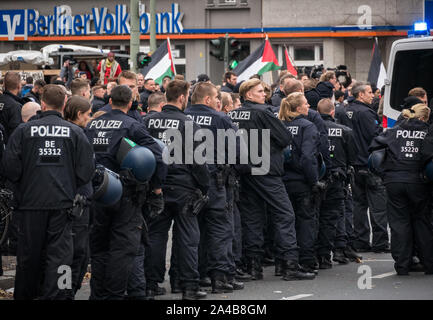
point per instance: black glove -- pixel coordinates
(319, 187)
(155, 204)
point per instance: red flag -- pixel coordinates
(287, 65)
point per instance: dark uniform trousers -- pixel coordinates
(331, 211)
(114, 241)
(216, 234)
(80, 236)
(237, 240)
(369, 193)
(345, 233)
(231, 214)
(409, 216)
(255, 192)
(44, 244)
(186, 237)
(306, 213)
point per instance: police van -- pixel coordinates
(410, 65)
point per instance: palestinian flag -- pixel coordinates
(377, 72)
(287, 63)
(161, 65)
(259, 62)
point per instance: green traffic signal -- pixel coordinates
(143, 59)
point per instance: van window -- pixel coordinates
(412, 68)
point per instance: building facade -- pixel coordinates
(328, 32)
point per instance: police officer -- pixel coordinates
(409, 197)
(264, 184)
(117, 230)
(302, 175)
(183, 182)
(48, 159)
(216, 222)
(343, 154)
(11, 103)
(155, 103)
(128, 78)
(368, 189)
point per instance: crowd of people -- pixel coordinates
(333, 172)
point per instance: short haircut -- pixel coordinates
(300, 75)
(202, 90)
(77, 85)
(166, 79)
(325, 106)
(293, 86)
(359, 87)
(228, 75)
(338, 94)
(53, 96)
(225, 99)
(155, 99)
(95, 88)
(12, 80)
(147, 80)
(29, 109)
(248, 85)
(175, 89)
(127, 75)
(286, 76)
(74, 105)
(417, 92)
(121, 96)
(310, 84)
(29, 80)
(40, 83)
(179, 77)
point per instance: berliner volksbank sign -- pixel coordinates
(100, 21)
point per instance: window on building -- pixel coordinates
(304, 53)
(226, 3)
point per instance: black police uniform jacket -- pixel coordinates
(105, 134)
(208, 118)
(32, 96)
(133, 112)
(260, 116)
(190, 176)
(10, 112)
(342, 148)
(277, 97)
(403, 159)
(97, 104)
(144, 96)
(49, 158)
(303, 165)
(366, 126)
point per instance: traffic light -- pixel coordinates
(143, 59)
(217, 48)
(234, 48)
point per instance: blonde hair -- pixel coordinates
(417, 111)
(248, 85)
(289, 105)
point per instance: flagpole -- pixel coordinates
(171, 55)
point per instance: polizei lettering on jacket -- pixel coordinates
(49, 131)
(294, 130)
(407, 134)
(201, 120)
(105, 124)
(163, 124)
(240, 115)
(335, 132)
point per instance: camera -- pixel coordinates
(343, 76)
(317, 71)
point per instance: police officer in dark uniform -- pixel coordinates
(302, 175)
(117, 230)
(343, 154)
(155, 103)
(216, 222)
(184, 184)
(128, 78)
(11, 103)
(265, 185)
(368, 189)
(409, 196)
(48, 159)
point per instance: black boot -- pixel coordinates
(193, 294)
(292, 271)
(242, 276)
(205, 282)
(279, 268)
(325, 262)
(150, 294)
(351, 254)
(255, 268)
(237, 285)
(221, 286)
(340, 257)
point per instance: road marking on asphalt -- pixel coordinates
(297, 297)
(384, 275)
